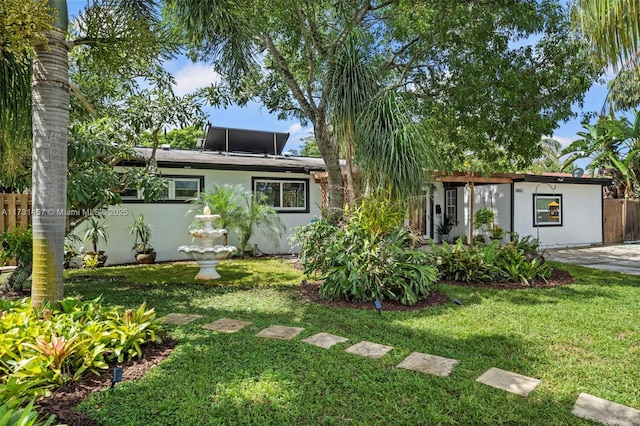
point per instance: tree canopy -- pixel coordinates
(484, 80)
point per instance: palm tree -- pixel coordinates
(350, 84)
(50, 112)
(135, 27)
(613, 146)
(258, 215)
(225, 200)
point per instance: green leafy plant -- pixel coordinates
(367, 257)
(130, 331)
(95, 232)
(71, 242)
(258, 215)
(225, 200)
(483, 217)
(19, 246)
(91, 261)
(314, 240)
(481, 263)
(23, 416)
(496, 231)
(445, 226)
(46, 348)
(141, 231)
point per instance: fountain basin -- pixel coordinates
(207, 233)
(208, 259)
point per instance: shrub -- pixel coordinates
(483, 263)
(43, 349)
(367, 257)
(17, 244)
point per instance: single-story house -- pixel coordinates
(253, 159)
(297, 189)
(559, 209)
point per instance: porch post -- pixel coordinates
(471, 208)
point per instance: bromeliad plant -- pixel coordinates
(44, 349)
(367, 257)
(480, 263)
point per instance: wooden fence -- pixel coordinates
(15, 211)
(621, 220)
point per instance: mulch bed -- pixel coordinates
(310, 291)
(62, 402)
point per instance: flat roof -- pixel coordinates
(202, 159)
(493, 178)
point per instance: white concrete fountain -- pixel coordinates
(207, 255)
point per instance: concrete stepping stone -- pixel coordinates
(606, 412)
(368, 349)
(226, 325)
(180, 319)
(280, 332)
(511, 382)
(429, 364)
(325, 340)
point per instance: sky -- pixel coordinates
(254, 116)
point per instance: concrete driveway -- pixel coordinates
(620, 257)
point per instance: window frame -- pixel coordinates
(453, 205)
(305, 182)
(171, 199)
(553, 197)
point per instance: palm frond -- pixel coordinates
(15, 117)
(394, 149)
(612, 29)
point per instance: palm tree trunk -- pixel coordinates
(49, 178)
(354, 193)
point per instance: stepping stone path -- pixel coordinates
(368, 349)
(180, 319)
(606, 412)
(429, 364)
(325, 340)
(280, 332)
(586, 406)
(511, 382)
(226, 325)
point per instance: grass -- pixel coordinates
(577, 338)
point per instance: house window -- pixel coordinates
(284, 195)
(183, 188)
(179, 189)
(451, 204)
(547, 210)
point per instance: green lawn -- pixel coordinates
(582, 337)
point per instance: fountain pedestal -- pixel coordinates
(207, 255)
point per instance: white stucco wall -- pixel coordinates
(581, 214)
(496, 197)
(170, 221)
(581, 211)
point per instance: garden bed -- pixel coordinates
(310, 291)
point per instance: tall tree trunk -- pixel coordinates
(354, 192)
(49, 179)
(331, 155)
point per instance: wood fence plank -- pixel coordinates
(11, 210)
(3, 213)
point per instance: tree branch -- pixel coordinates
(298, 94)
